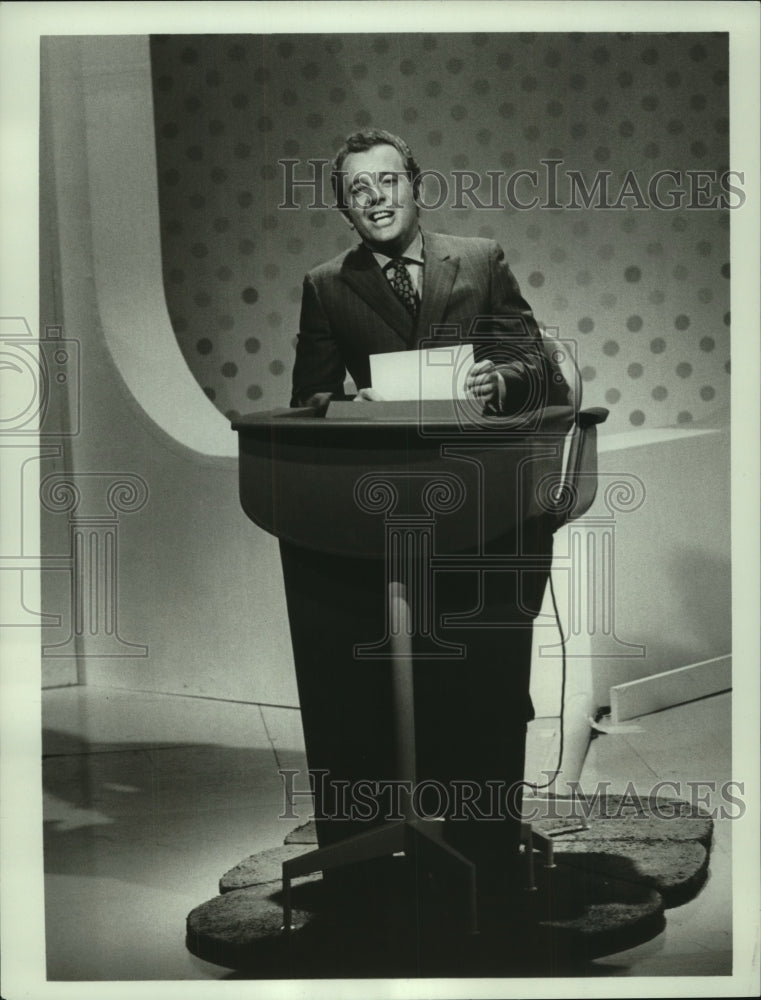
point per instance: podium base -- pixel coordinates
(607, 892)
(421, 841)
(406, 931)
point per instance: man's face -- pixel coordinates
(379, 199)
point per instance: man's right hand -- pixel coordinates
(368, 396)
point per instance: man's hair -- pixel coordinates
(360, 142)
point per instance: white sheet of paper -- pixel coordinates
(433, 373)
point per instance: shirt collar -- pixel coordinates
(413, 253)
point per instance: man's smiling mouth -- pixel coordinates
(381, 216)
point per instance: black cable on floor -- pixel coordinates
(539, 788)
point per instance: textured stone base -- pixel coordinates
(573, 917)
(608, 892)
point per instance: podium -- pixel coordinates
(407, 492)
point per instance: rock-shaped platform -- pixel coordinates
(573, 917)
(609, 890)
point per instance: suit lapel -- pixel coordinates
(438, 278)
(361, 272)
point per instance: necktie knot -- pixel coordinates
(401, 282)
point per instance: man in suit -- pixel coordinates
(393, 292)
(350, 308)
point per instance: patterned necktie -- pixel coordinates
(400, 280)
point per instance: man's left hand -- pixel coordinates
(485, 384)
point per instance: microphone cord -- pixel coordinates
(539, 788)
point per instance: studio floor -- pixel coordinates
(150, 798)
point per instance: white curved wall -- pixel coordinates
(123, 200)
(198, 584)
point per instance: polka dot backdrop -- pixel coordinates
(643, 291)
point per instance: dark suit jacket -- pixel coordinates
(349, 311)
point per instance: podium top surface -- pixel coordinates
(433, 416)
(333, 483)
